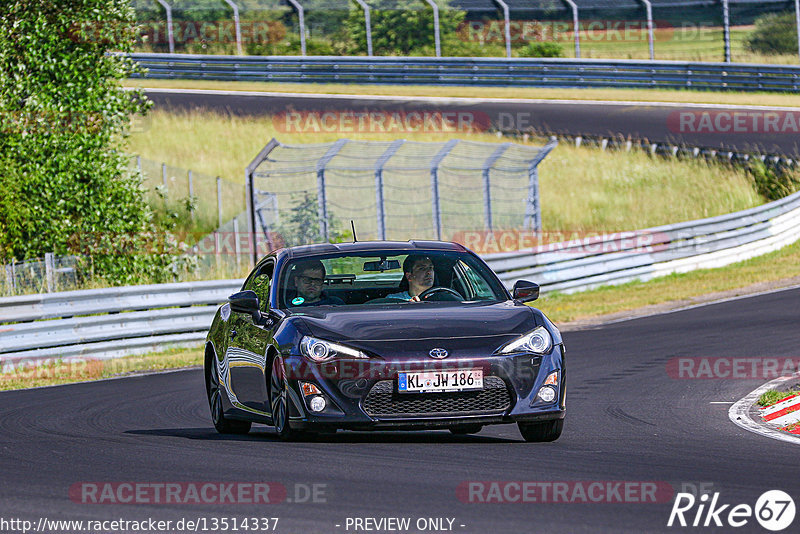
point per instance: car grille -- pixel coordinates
(383, 401)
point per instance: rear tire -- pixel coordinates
(541, 432)
(463, 430)
(221, 423)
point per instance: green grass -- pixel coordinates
(65, 372)
(773, 396)
(583, 189)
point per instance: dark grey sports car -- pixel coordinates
(383, 335)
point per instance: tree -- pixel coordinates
(64, 179)
(775, 33)
(400, 27)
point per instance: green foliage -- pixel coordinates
(542, 49)
(401, 27)
(775, 33)
(771, 182)
(302, 225)
(64, 179)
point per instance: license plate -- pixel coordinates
(428, 381)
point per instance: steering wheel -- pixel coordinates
(443, 290)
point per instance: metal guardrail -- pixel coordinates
(113, 322)
(530, 72)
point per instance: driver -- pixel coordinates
(418, 273)
(309, 277)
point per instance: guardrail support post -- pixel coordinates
(437, 209)
(507, 24)
(649, 8)
(575, 27)
(236, 25)
(436, 40)
(367, 25)
(379, 200)
(726, 29)
(302, 20)
(170, 36)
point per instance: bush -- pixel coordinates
(773, 183)
(64, 178)
(542, 49)
(775, 33)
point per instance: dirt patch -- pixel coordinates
(672, 305)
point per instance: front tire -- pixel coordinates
(542, 431)
(279, 401)
(221, 423)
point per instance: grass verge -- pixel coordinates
(773, 396)
(582, 189)
(65, 372)
(513, 93)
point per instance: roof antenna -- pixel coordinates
(353, 226)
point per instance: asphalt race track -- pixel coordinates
(656, 122)
(628, 420)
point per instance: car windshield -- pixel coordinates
(388, 278)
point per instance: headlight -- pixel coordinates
(538, 341)
(321, 351)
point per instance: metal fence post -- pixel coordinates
(797, 22)
(533, 208)
(322, 195)
(436, 40)
(10, 278)
(507, 26)
(139, 164)
(379, 201)
(170, 35)
(191, 191)
(236, 245)
(219, 202)
(236, 25)
(487, 186)
(302, 21)
(49, 270)
(164, 174)
(649, 9)
(437, 209)
(367, 24)
(575, 27)
(726, 28)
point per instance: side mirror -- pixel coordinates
(246, 302)
(525, 291)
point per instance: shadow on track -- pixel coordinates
(429, 436)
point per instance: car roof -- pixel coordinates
(369, 246)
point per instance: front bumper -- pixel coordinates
(363, 394)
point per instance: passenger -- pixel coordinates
(417, 277)
(309, 278)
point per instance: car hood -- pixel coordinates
(415, 327)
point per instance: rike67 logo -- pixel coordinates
(774, 510)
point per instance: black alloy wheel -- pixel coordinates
(221, 423)
(279, 401)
